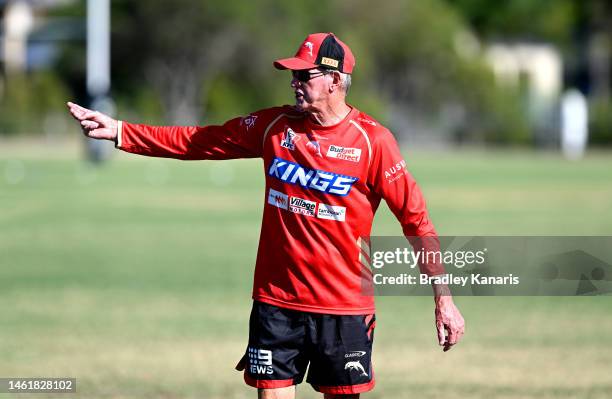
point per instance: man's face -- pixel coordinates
(311, 89)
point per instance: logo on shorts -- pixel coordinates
(355, 354)
(355, 365)
(260, 361)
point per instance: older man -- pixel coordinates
(327, 167)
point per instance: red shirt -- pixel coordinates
(323, 186)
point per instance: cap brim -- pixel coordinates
(293, 63)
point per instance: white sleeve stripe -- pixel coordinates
(119, 132)
(263, 141)
(365, 135)
(268, 129)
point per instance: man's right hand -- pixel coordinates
(94, 124)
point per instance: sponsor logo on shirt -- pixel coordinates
(289, 139)
(260, 361)
(302, 206)
(331, 212)
(306, 207)
(312, 179)
(368, 121)
(278, 199)
(346, 153)
(317, 136)
(395, 172)
(314, 147)
(249, 121)
(313, 144)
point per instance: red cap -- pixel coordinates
(320, 50)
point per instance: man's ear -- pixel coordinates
(337, 80)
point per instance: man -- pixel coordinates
(327, 167)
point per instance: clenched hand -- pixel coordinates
(449, 322)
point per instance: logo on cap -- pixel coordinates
(329, 62)
(309, 46)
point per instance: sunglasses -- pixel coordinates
(303, 75)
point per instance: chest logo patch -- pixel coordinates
(345, 153)
(289, 139)
(310, 179)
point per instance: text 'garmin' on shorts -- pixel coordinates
(283, 343)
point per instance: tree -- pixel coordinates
(179, 47)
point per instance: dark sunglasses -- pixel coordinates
(303, 75)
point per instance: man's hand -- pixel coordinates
(449, 322)
(94, 124)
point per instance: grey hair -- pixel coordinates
(345, 83)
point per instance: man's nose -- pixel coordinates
(294, 82)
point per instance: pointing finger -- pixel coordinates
(77, 107)
(77, 111)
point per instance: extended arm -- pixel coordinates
(237, 138)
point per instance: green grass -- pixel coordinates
(135, 278)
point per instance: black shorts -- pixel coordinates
(336, 349)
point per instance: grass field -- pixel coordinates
(135, 277)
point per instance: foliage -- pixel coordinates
(28, 100)
(413, 63)
(433, 62)
(524, 19)
(600, 123)
(190, 61)
(572, 25)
